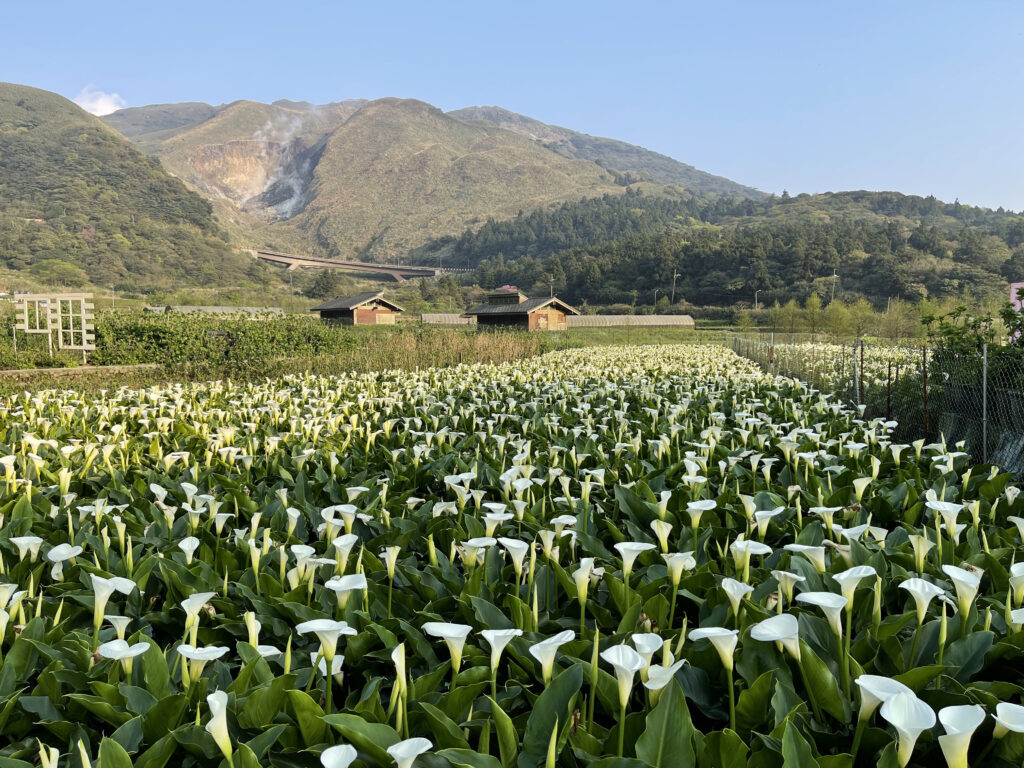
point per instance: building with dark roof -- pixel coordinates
(508, 307)
(362, 309)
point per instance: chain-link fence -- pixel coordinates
(975, 400)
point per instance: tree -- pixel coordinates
(837, 319)
(862, 318)
(791, 316)
(813, 315)
(326, 285)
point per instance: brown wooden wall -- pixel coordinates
(548, 320)
(374, 316)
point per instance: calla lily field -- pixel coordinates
(619, 557)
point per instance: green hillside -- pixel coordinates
(621, 249)
(157, 122)
(79, 203)
(636, 161)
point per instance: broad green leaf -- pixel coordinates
(826, 687)
(753, 703)
(446, 733)
(723, 749)
(508, 739)
(796, 752)
(467, 758)
(667, 740)
(553, 706)
(113, 755)
(309, 717)
(370, 738)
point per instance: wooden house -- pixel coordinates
(361, 309)
(508, 307)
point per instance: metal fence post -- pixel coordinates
(924, 387)
(984, 401)
(856, 378)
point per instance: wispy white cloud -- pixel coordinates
(99, 102)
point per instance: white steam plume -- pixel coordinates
(99, 102)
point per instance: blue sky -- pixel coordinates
(921, 97)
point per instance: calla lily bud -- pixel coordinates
(218, 724)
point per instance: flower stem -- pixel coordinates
(622, 726)
(329, 687)
(858, 734)
(732, 700)
(913, 647)
(391, 584)
(844, 658)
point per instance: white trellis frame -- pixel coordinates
(67, 316)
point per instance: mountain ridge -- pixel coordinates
(612, 154)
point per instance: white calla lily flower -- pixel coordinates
(910, 717)
(404, 753)
(546, 650)
(783, 629)
(960, 722)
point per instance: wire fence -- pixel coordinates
(972, 400)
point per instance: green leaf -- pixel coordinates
(489, 615)
(918, 677)
(113, 755)
(753, 702)
(163, 717)
(245, 758)
(820, 677)
(136, 700)
(508, 738)
(796, 752)
(308, 715)
(129, 735)
(154, 669)
(263, 704)
(446, 733)
(159, 754)
(723, 749)
(967, 655)
(553, 706)
(260, 744)
(456, 704)
(667, 740)
(467, 758)
(20, 658)
(372, 739)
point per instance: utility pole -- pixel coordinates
(835, 276)
(755, 298)
(675, 274)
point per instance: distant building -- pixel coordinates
(508, 307)
(361, 309)
(446, 318)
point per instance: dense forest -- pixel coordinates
(80, 204)
(621, 249)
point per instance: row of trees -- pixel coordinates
(859, 244)
(899, 321)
